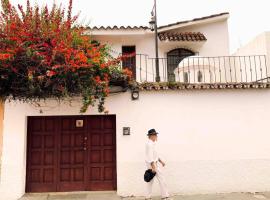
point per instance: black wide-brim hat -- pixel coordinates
(152, 132)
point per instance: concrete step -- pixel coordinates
(114, 196)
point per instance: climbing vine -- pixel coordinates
(43, 54)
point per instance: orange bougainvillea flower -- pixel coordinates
(127, 72)
(96, 59)
(56, 66)
(50, 48)
(51, 73)
(97, 79)
(106, 77)
(81, 58)
(107, 91)
(5, 56)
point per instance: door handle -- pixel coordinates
(85, 143)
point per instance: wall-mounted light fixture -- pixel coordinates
(152, 23)
(135, 94)
(126, 130)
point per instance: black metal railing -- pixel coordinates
(200, 70)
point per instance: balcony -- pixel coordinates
(198, 72)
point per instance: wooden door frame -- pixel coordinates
(57, 118)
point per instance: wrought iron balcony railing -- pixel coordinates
(200, 70)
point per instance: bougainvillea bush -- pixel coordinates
(44, 55)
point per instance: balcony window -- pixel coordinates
(174, 58)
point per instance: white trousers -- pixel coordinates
(159, 176)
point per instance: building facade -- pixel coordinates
(259, 46)
(210, 134)
(207, 36)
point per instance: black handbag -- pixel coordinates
(149, 175)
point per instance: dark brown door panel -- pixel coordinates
(65, 156)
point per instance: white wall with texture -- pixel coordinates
(212, 141)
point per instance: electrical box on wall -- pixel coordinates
(126, 130)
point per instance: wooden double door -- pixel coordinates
(71, 153)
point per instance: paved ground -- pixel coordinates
(113, 196)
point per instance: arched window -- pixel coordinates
(174, 58)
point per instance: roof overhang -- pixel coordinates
(142, 30)
(182, 36)
(196, 21)
(116, 31)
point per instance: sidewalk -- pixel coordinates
(113, 196)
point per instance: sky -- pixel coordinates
(248, 18)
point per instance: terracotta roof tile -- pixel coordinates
(147, 28)
(194, 20)
(187, 36)
(119, 28)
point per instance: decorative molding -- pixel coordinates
(216, 86)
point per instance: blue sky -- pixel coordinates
(248, 17)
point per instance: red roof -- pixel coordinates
(119, 28)
(160, 27)
(187, 36)
(194, 20)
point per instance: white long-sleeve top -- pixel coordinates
(151, 154)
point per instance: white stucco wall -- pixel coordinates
(144, 44)
(260, 45)
(257, 46)
(267, 38)
(213, 141)
(217, 44)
